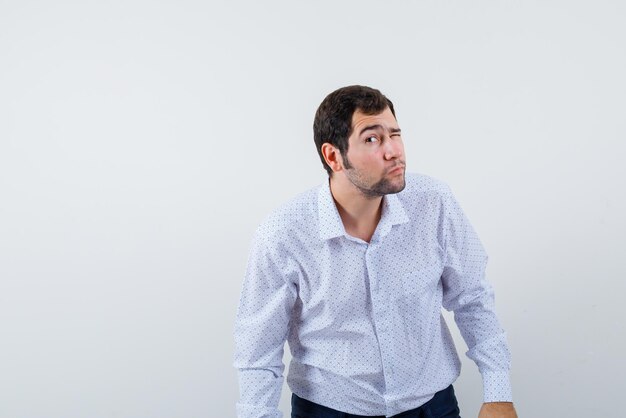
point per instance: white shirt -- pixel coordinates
(363, 320)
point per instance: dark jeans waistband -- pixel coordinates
(442, 405)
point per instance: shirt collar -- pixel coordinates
(330, 223)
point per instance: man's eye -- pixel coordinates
(371, 139)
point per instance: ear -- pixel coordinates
(332, 156)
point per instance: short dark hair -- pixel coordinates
(333, 119)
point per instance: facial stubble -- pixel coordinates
(382, 187)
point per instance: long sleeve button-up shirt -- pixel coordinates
(363, 320)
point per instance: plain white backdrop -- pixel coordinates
(141, 142)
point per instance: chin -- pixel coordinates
(391, 187)
(400, 186)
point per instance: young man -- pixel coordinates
(353, 274)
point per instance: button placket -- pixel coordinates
(380, 311)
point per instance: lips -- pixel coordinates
(396, 169)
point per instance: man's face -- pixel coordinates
(375, 161)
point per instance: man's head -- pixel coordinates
(357, 136)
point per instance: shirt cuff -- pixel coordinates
(256, 411)
(497, 387)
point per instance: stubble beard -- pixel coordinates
(380, 188)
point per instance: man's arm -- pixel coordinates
(497, 410)
(261, 328)
(469, 295)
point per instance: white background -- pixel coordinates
(141, 142)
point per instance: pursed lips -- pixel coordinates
(395, 168)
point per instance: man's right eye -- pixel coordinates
(371, 139)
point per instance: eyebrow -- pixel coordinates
(378, 126)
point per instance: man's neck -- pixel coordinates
(359, 213)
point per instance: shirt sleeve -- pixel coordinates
(261, 327)
(471, 297)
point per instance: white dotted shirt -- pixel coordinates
(363, 320)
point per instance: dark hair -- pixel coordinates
(333, 119)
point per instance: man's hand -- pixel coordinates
(497, 410)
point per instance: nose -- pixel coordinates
(393, 149)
